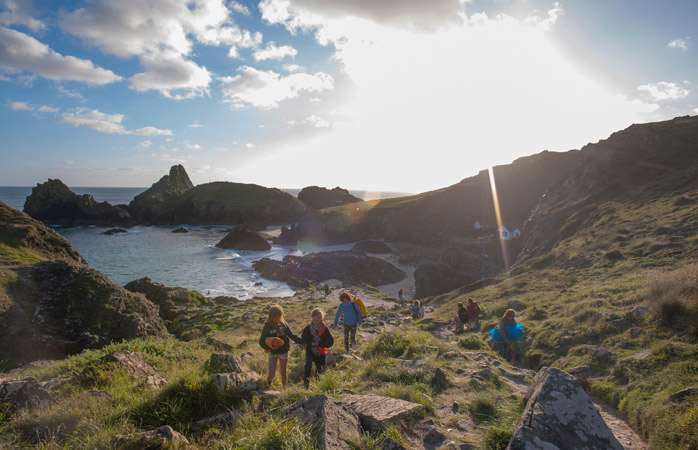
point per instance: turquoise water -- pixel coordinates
(190, 260)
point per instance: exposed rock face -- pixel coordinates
(31, 240)
(348, 266)
(372, 247)
(54, 203)
(320, 197)
(169, 299)
(147, 206)
(26, 392)
(162, 438)
(244, 239)
(436, 278)
(53, 309)
(375, 411)
(237, 375)
(333, 423)
(559, 414)
(134, 364)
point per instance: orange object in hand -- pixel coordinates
(273, 343)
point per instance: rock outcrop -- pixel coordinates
(348, 266)
(320, 197)
(148, 206)
(244, 239)
(161, 438)
(134, 364)
(376, 412)
(54, 203)
(560, 415)
(332, 422)
(235, 374)
(372, 247)
(169, 299)
(53, 309)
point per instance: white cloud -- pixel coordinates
(21, 106)
(681, 44)
(47, 109)
(62, 91)
(195, 124)
(664, 90)
(549, 22)
(192, 146)
(22, 52)
(107, 123)
(145, 144)
(249, 145)
(265, 89)
(172, 75)
(293, 68)
(242, 9)
(317, 122)
(271, 51)
(19, 12)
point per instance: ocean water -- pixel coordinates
(190, 260)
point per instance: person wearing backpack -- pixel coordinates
(316, 338)
(352, 319)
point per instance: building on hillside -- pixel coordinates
(516, 233)
(503, 233)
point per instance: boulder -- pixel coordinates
(333, 423)
(375, 411)
(223, 362)
(55, 309)
(320, 197)
(225, 418)
(372, 247)
(348, 266)
(26, 392)
(162, 438)
(244, 239)
(680, 396)
(54, 203)
(112, 231)
(169, 299)
(236, 373)
(560, 415)
(135, 365)
(180, 230)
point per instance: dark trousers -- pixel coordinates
(350, 335)
(310, 358)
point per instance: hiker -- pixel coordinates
(317, 339)
(460, 319)
(506, 333)
(401, 297)
(352, 319)
(275, 341)
(313, 288)
(327, 289)
(421, 310)
(415, 309)
(474, 312)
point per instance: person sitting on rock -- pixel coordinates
(352, 319)
(317, 339)
(415, 309)
(275, 340)
(506, 334)
(421, 310)
(474, 312)
(460, 319)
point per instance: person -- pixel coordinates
(474, 312)
(327, 289)
(275, 339)
(460, 319)
(506, 333)
(352, 319)
(317, 339)
(401, 297)
(421, 310)
(415, 309)
(313, 288)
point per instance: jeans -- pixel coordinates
(350, 332)
(310, 358)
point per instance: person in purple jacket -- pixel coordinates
(352, 319)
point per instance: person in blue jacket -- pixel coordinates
(507, 333)
(352, 319)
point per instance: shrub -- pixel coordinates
(472, 342)
(674, 299)
(482, 409)
(497, 437)
(269, 433)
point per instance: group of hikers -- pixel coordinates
(316, 337)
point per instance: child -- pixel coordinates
(317, 339)
(415, 309)
(352, 319)
(275, 340)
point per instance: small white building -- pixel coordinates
(477, 225)
(516, 233)
(504, 233)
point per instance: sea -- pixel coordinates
(190, 260)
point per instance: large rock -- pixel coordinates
(320, 197)
(54, 203)
(237, 375)
(53, 309)
(244, 239)
(376, 411)
(348, 266)
(161, 438)
(560, 415)
(31, 241)
(332, 422)
(372, 247)
(134, 364)
(26, 392)
(148, 206)
(169, 299)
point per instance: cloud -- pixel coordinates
(195, 124)
(410, 14)
(62, 91)
(265, 89)
(25, 106)
(681, 44)
(173, 76)
(242, 9)
(549, 22)
(107, 123)
(664, 90)
(19, 12)
(192, 146)
(317, 122)
(293, 68)
(22, 52)
(145, 144)
(271, 51)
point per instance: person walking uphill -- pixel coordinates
(317, 339)
(352, 319)
(275, 340)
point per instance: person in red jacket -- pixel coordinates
(316, 338)
(474, 313)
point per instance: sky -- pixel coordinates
(390, 95)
